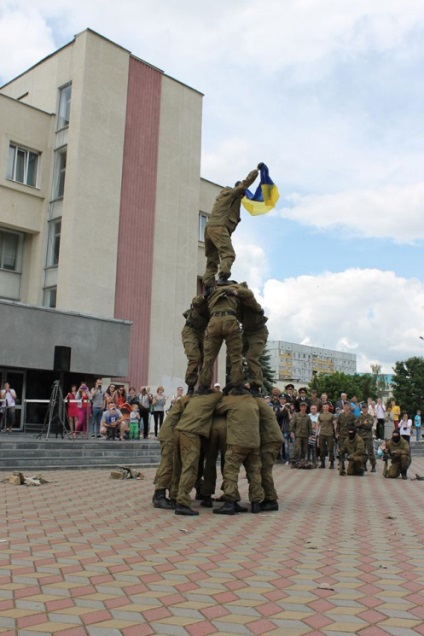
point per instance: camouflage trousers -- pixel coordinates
(219, 253)
(251, 460)
(193, 349)
(163, 477)
(186, 466)
(269, 453)
(355, 466)
(398, 466)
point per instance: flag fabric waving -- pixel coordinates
(265, 197)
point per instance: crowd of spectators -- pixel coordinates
(384, 418)
(113, 413)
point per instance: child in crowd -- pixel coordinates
(134, 422)
(417, 425)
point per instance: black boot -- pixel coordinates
(373, 468)
(255, 507)
(239, 390)
(160, 501)
(322, 464)
(206, 502)
(227, 509)
(404, 475)
(331, 465)
(269, 505)
(186, 511)
(190, 390)
(239, 508)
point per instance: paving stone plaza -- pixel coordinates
(85, 554)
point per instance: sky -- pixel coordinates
(330, 95)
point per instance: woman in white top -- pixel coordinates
(405, 426)
(380, 413)
(8, 402)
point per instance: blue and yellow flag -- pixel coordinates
(265, 197)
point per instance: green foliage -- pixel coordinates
(361, 385)
(408, 385)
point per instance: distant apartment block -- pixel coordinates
(298, 363)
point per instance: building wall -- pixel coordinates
(85, 336)
(129, 240)
(23, 208)
(174, 278)
(133, 298)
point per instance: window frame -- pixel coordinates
(47, 297)
(203, 219)
(54, 238)
(59, 173)
(13, 165)
(64, 106)
(18, 253)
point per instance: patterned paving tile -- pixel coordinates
(78, 565)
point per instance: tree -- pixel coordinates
(268, 373)
(408, 384)
(361, 385)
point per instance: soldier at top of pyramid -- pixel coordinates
(224, 218)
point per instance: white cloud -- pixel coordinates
(250, 265)
(390, 212)
(373, 313)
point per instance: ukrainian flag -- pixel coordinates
(265, 197)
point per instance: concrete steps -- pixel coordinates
(22, 452)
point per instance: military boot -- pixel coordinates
(373, 468)
(404, 475)
(190, 390)
(206, 501)
(239, 390)
(186, 511)
(322, 464)
(269, 505)
(255, 507)
(331, 465)
(223, 279)
(239, 508)
(227, 509)
(160, 501)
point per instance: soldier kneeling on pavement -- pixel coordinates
(352, 449)
(398, 450)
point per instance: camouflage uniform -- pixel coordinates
(223, 325)
(194, 423)
(326, 436)
(301, 426)
(192, 337)
(243, 443)
(364, 424)
(355, 451)
(271, 442)
(255, 332)
(400, 454)
(224, 218)
(342, 423)
(164, 472)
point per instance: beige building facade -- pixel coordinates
(101, 202)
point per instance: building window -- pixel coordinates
(23, 165)
(50, 294)
(203, 219)
(60, 171)
(10, 251)
(53, 247)
(64, 106)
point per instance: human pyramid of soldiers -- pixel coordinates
(235, 424)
